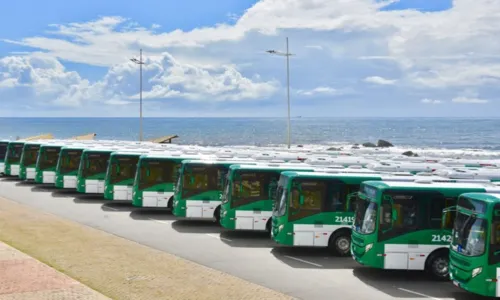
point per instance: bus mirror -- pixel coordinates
(301, 199)
(394, 215)
(191, 180)
(148, 172)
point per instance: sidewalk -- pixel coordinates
(25, 278)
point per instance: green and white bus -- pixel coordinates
(92, 170)
(198, 191)
(314, 209)
(155, 179)
(475, 244)
(399, 225)
(247, 201)
(68, 165)
(13, 158)
(48, 156)
(3, 153)
(27, 164)
(120, 175)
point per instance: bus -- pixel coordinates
(67, 166)
(120, 175)
(13, 158)
(155, 178)
(399, 225)
(48, 156)
(27, 164)
(475, 244)
(92, 170)
(247, 201)
(3, 152)
(198, 191)
(314, 209)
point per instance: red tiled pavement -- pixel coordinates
(23, 277)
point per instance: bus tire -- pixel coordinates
(170, 203)
(217, 215)
(340, 243)
(269, 227)
(437, 265)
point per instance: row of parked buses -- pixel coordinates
(389, 213)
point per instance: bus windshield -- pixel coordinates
(70, 161)
(199, 179)
(227, 185)
(252, 186)
(49, 157)
(123, 168)
(469, 235)
(95, 163)
(30, 155)
(365, 217)
(153, 172)
(3, 150)
(15, 153)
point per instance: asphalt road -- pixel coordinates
(302, 273)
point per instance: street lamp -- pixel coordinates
(140, 62)
(287, 54)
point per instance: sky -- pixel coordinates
(355, 58)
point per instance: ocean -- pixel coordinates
(406, 133)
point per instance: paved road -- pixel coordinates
(302, 273)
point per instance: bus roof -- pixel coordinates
(486, 197)
(429, 184)
(219, 162)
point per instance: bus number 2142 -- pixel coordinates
(341, 219)
(437, 238)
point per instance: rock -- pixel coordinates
(356, 144)
(410, 153)
(369, 145)
(384, 144)
(355, 147)
(333, 149)
(300, 146)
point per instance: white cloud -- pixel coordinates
(321, 90)
(316, 47)
(469, 100)
(380, 80)
(431, 101)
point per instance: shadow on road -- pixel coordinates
(89, 198)
(10, 178)
(410, 284)
(247, 239)
(65, 193)
(118, 206)
(194, 226)
(43, 188)
(311, 258)
(142, 214)
(26, 183)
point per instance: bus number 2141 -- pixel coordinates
(341, 219)
(437, 238)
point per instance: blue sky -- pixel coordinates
(207, 58)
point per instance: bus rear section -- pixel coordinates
(92, 171)
(475, 244)
(67, 167)
(27, 165)
(46, 164)
(120, 176)
(399, 225)
(249, 192)
(13, 158)
(155, 179)
(199, 188)
(3, 153)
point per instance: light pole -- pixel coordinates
(287, 54)
(140, 62)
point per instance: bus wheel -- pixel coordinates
(340, 243)
(217, 215)
(269, 227)
(437, 265)
(170, 203)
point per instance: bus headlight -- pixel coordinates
(476, 272)
(368, 247)
(280, 227)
